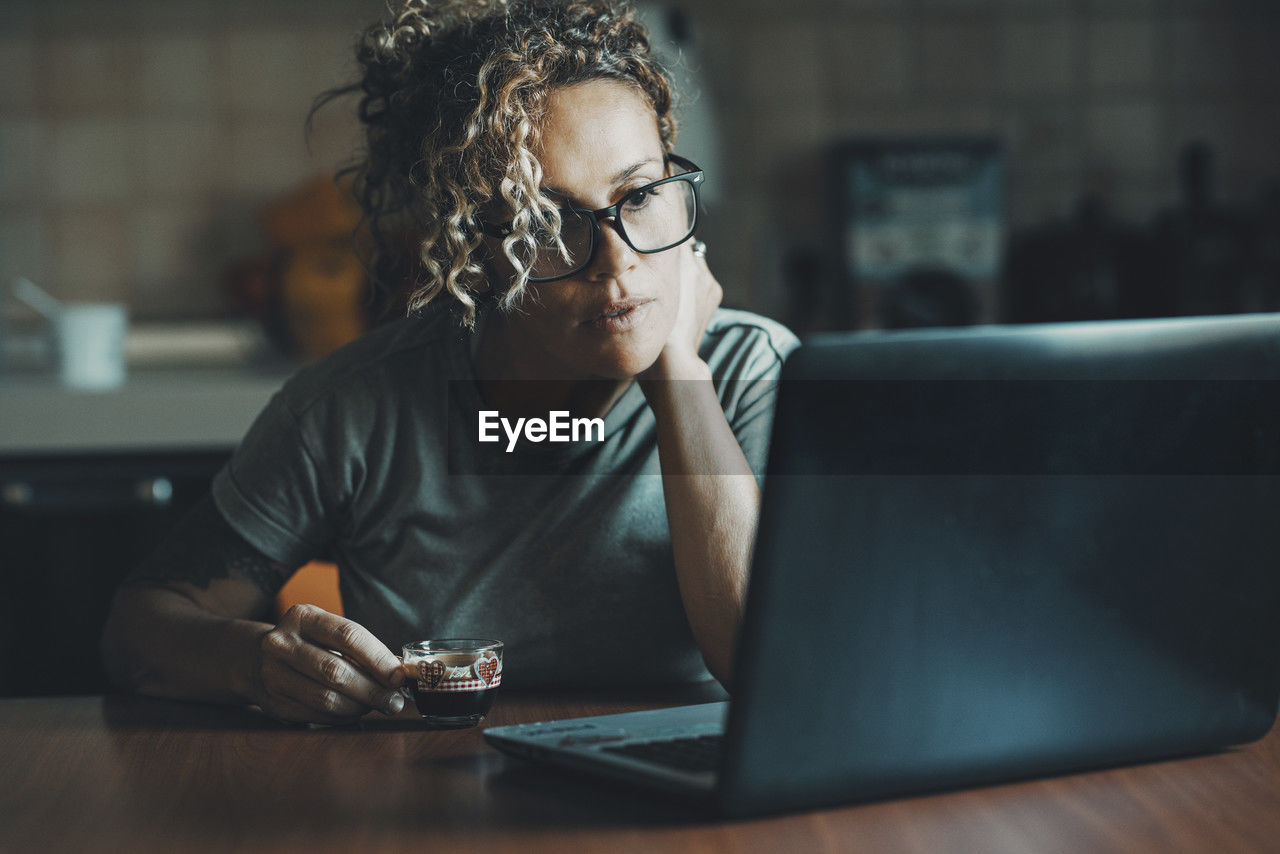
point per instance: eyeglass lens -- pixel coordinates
(654, 218)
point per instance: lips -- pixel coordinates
(619, 315)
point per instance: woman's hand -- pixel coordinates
(700, 295)
(317, 667)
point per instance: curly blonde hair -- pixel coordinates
(453, 94)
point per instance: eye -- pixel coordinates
(637, 199)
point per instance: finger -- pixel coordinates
(321, 702)
(285, 652)
(353, 641)
(334, 672)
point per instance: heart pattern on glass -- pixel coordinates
(431, 673)
(487, 668)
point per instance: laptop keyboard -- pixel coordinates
(698, 754)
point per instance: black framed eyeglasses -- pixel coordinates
(652, 218)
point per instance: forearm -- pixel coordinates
(184, 624)
(713, 504)
(159, 642)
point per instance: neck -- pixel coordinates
(520, 379)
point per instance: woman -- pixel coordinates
(529, 147)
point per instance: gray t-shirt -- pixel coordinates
(561, 551)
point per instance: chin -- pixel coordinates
(625, 365)
(622, 370)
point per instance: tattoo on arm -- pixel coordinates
(202, 547)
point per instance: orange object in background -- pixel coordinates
(321, 288)
(318, 210)
(314, 584)
(310, 291)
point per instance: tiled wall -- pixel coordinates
(138, 137)
(1088, 96)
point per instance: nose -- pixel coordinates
(613, 256)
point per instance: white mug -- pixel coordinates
(90, 345)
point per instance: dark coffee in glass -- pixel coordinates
(453, 704)
(453, 680)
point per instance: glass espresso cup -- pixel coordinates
(453, 680)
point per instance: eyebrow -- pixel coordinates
(620, 176)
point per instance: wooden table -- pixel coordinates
(137, 775)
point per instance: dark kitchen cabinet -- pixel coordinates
(71, 527)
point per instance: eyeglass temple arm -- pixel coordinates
(683, 163)
(495, 230)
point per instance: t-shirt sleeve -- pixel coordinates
(274, 492)
(753, 420)
(749, 378)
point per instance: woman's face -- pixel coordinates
(599, 142)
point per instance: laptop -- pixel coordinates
(987, 554)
